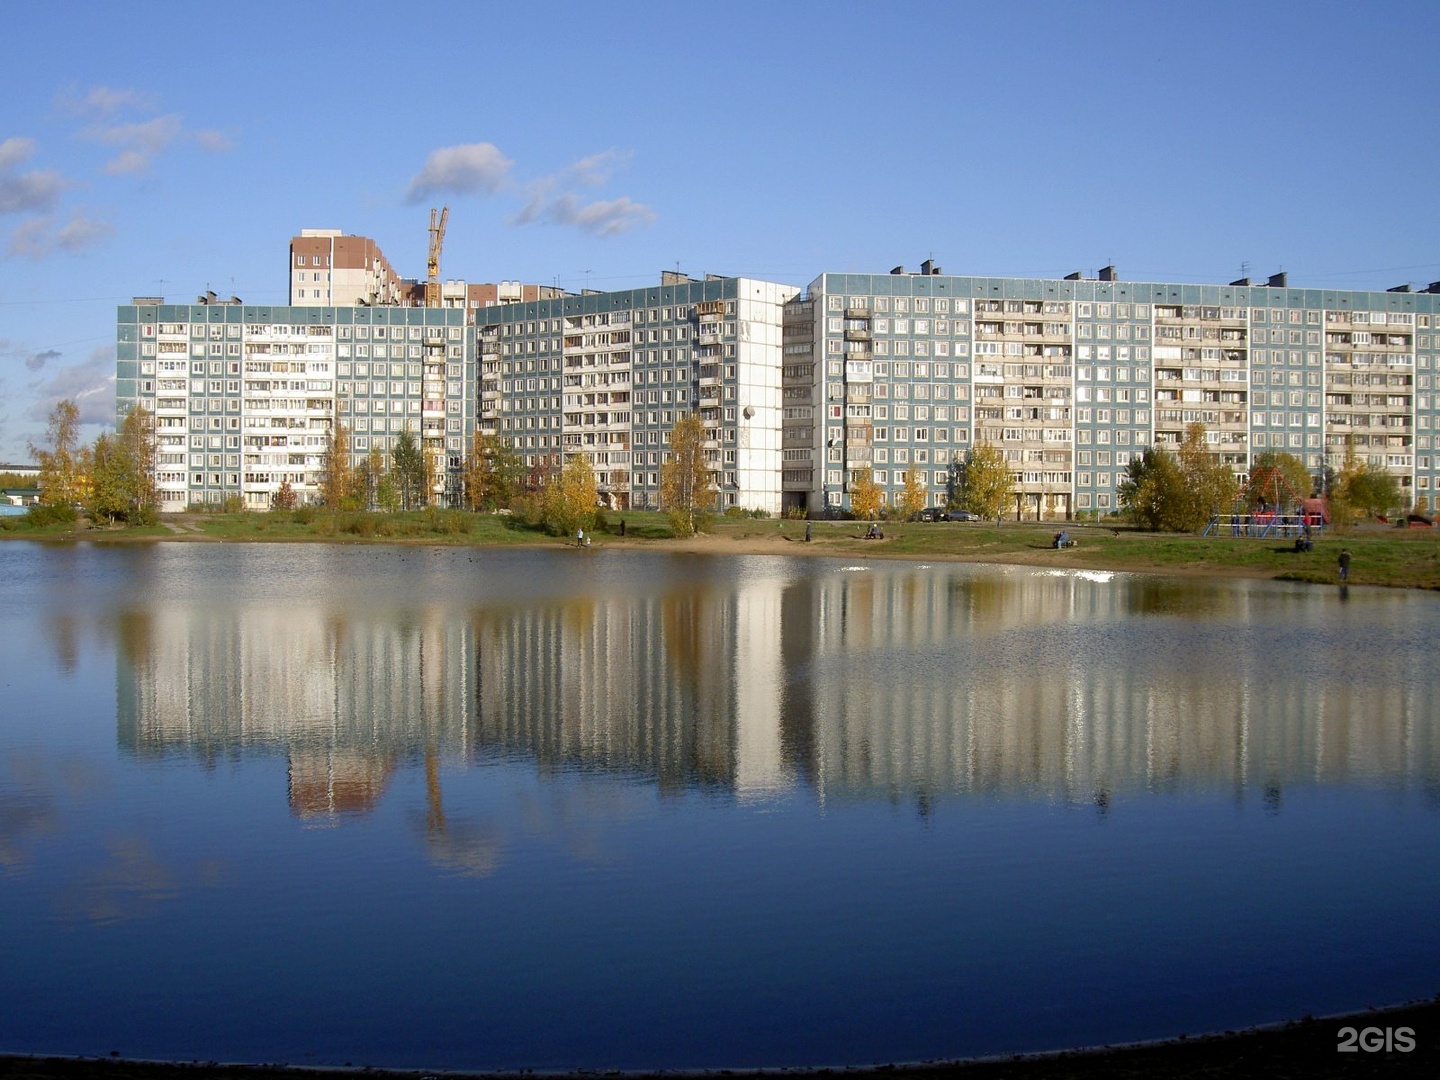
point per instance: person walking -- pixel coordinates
(1345, 564)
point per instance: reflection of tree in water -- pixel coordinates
(799, 644)
(135, 634)
(64, 633)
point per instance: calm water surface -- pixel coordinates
(482, 809)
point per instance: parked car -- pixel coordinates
(962, 515)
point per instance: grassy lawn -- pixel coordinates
(1404, 558)
(1401, 558)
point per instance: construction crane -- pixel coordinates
(438, 218)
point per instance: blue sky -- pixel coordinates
(166, 148)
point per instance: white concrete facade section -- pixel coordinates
(759, 683)
(758, 356)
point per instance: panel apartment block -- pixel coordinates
(608, 374)
(1071, 378)
(244, 396)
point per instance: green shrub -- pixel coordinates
(360, 524)
(41, 515)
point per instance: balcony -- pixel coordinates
(857, 333)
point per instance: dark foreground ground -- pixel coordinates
(1306, 1049)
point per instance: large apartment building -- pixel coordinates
(244, 396)
(798, 388)
(607, 374)
(1070, 378)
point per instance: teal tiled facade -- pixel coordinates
(1070, 378)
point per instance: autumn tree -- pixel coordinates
(139, 452)
(122, 473)
(1372, 490)
(567, 502)
(284, 497)
(866, 495)
(912, 494)
(1153, 489)
(1209, 486)
(62, 466)
(687, 490)
(340, 485)
(985, 483)
(410, 470)
(1277, 479)
(493, 473)
(378, 492)
(103, 496)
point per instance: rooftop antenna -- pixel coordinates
(1244, 268)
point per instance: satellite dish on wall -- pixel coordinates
(749, 412)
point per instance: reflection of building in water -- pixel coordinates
(680, 686)
(334, 781)
(903, 682)
(344, 699)
(923, 683)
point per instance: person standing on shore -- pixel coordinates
(1345, 564)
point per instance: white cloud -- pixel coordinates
(139, 143)
(40, 237)
(217, 142)
(595, 170)
(460, 170)
(127, 163)
(90, 384)
(81, 233)
(26, 192)
(601, 217)
(15, 150)
(106, 100)
(31, 239)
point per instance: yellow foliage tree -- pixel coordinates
(866, 496)
(912, 497)
(687, 491)
(567, 502)
(340, 485)
(986, 483)
(63, 467)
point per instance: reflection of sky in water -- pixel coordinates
(334, 803)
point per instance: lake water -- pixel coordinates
(549, 809)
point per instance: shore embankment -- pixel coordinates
(1380, 554)
(1367, 1044)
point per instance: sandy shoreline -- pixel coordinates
(837, 546)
